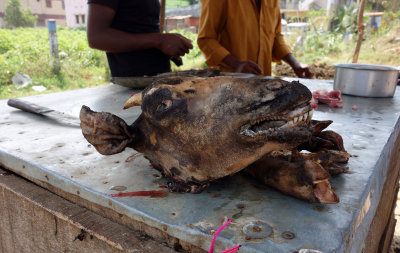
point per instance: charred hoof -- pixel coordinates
(334, 138)
(174, 186)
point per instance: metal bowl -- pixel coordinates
(365, 80)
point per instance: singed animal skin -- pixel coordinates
(197, 130)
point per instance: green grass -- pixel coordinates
(176, 3)
(378, 47)
(27, 51)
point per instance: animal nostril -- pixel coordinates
(190, 91)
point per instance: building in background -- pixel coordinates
(71, 13)
(76, 13)
(43, 9)
(186, 18)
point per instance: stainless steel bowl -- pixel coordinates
(365, 80)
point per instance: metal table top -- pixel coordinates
(40, 148)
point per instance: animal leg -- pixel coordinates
(306, 180)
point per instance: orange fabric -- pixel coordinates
(236, 27)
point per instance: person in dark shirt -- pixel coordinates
(129, 32)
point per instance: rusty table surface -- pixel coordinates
(48, 151)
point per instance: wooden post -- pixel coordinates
(51, 25)
(360, 24)
(162, 16)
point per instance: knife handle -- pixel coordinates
(27, 106)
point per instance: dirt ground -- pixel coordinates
(395, 248)
(321, 70)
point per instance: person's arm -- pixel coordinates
(299, 70)
(281, 51)
(102, 36)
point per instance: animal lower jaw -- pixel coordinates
(304, 117)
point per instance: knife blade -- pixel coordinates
(44, 111)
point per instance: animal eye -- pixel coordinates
(164, 105)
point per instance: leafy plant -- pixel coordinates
(346, 20)
(393, 5)
(15, 17)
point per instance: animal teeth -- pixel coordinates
(311, 113)
(248, 132)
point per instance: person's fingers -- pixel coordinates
(255, 68)
(186, 49)
(187, 42)
(297, 71)
(259, 70)
(305, 72)
(183, 49)
(251, 71)
(309, 73)
(240, 67)
(180, 52)
(247, 68)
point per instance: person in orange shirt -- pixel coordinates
(244, 36)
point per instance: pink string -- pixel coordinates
(231, 250)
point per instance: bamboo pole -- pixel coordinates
(360, 26)
(162, 16)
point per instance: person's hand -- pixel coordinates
(174, 45)
(239, 66)
(303, 71)
(249, 67)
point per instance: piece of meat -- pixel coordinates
(332, 98)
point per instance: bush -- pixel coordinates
(15, 17)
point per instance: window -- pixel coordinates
(77, 19)
(83, 19)
(48, 3)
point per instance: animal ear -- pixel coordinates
(108, 133)
(135, 100)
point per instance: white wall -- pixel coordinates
(74, 8)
